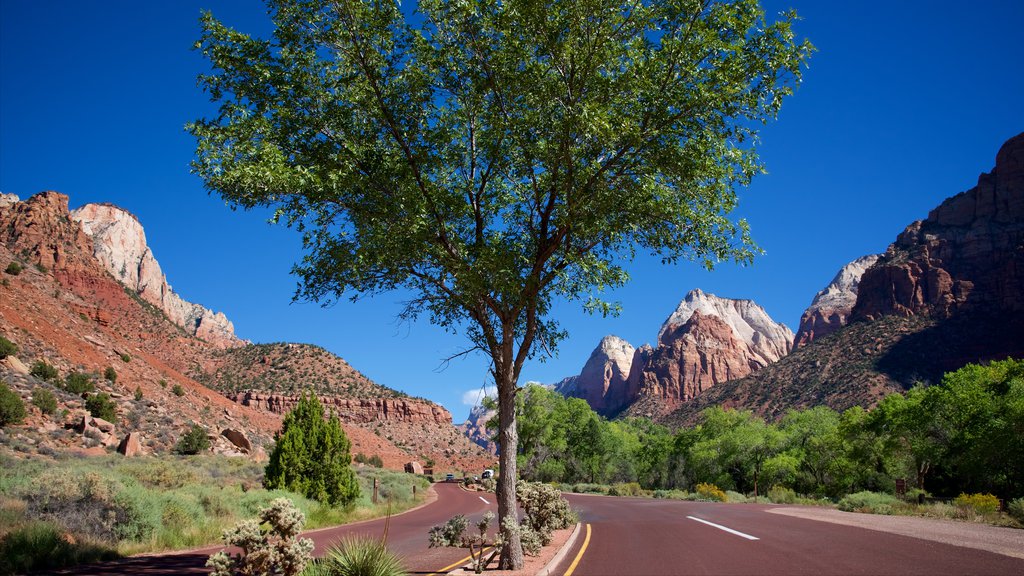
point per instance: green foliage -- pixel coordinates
(78, 383)
(138, 393)
(41, 546)
(177, 390)
(102, 406)
(12, 407)
(110, 374)
(42, 370)
(781, 495)
(44, 399)
(193, 441)
(14, 268)
(358, 556)
(311, 456)
(449, 534)
(277, 550)
(7, 348)
(869, 502)
(374, 460)
(546, 510)
(126, 358)
(979, 503)
(1016, 509)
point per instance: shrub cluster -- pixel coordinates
(449, 534)
(44, 399)
(78, 383)
(979, 503)
(277, 550)
(193, 442)
(102, 406)
(546, 510)
(14, 268)
(711, 493)
(40, 369)
(869, 502)
(110, 374)
(12, 407)
(7, 348)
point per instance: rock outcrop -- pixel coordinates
(355, 411)
(602, 382)
(831, 308)
(475, 428)
(119, 243)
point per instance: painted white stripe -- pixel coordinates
(720, 527)
(485, 500)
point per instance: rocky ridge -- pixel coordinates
(831, 308)
(119, 243)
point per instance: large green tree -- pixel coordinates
(489, 157)
(312, 457)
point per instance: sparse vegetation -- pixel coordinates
(869, 502)
(14, 268)
(110, 374)
(12, 407)
(38, 546)
(276, 550)
(177, 390)
(374, 460)
(138, 393)
(125, 358)
(102, 406)
(79, 383)
(193, 441)
(44, 399)
(7, 348)
(42, 370)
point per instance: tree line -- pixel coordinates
(962, 435)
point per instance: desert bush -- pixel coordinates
(44, 399)
(125, 358)
(277, 550)
(78, 383)
(626, 489)
(138, 393)
(12, 407)
(7, 348)
(358, 556)
(14, 268)
(737, 497)
(583, 488)
(979, 503)
(40, 369)
(193, 442)
(448, 534)
(177, 390)
(868, 502)
(102, 406)
(532, 540)
(1016, 509)
(157, 473)
(546, 510)
(711, 493)
(781, 495)
(38, 546)
(110, 374)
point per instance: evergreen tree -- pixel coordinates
(311, 456)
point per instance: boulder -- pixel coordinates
(238, 439)
(131, 445)
(414, 468)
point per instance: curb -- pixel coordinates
(550, 566)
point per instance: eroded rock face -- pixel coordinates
(831, 308)
(602, 382)
(967, 256)
(356, 411)
(475, 428)
(119, 243)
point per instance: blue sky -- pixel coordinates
(903, 105)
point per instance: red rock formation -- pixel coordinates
(356, 411)
(968, 255)
(831, 308)
(602, 382)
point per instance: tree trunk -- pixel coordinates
(508, 442)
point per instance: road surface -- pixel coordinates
(407, 536)
(634, 536)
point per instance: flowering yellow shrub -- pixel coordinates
(711, 492)
(981, 503)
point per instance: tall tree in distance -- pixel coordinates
(489, 157)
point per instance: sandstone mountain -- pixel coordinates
(831, 308)
(91, 296)
(707, 340)
(475, 428)
(948, 291)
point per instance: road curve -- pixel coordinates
(407, 536)
(646, 537)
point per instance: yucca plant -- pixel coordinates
(358, 556)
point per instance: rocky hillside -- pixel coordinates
(90, 297)
(948, 291)
(707, 340)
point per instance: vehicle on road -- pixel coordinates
(487, 474)
(449, 477)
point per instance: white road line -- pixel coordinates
(720, 527)
(484, 499)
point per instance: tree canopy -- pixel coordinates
(489, 157)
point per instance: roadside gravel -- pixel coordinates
(1005, 541)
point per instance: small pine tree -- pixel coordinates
(12, 407)
(311, 456)
(193, 442)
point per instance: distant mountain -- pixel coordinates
(948, 291)
(92, 296)
(831, 308)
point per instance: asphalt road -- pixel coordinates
(407, 536)
(633, 536)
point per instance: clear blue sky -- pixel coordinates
(904, 104)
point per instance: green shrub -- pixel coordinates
(78, 383)
(358, 555)
(12, 407)
(7, 348)
(42, 546)
(177, 390)
(448, 534)
(278, 550)
(138, 393)
(979, 503)
(125, 358)
(42, 370)
(102, 406)
(193, 442)
(110, 374)
(546, 510)
(781, 495)
(1016, 509)
(14, 269)
(626, 489)
(869, 503)
(711, 493)
(311, 456)
(44, 399)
